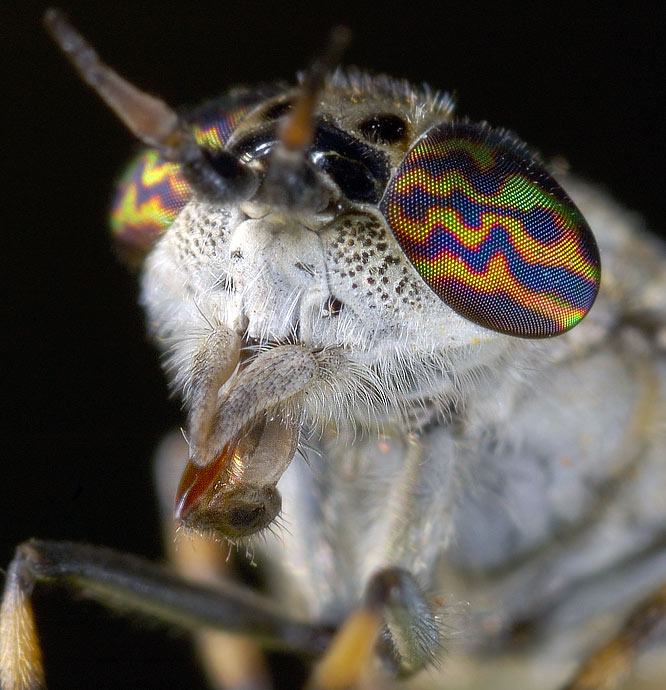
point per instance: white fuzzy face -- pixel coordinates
(330, 279)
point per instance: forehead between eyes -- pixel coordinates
(351, 98)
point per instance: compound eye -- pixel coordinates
(152, 191)
(491, 232)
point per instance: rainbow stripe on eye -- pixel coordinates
(492, 233)
(152, 191)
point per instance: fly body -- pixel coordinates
(383, 322)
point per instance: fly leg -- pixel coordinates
(231, 662)
(132, 584)
(394, 622)
(610, 666)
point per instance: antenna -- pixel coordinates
(290, 179)
(151, 120)
(298, 129)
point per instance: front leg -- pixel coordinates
(129, 583)
(394, 611)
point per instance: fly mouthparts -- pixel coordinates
(235, 496)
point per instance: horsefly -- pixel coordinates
(415, 358)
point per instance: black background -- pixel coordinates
(84, 399)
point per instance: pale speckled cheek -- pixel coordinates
(369, 276)
(367, 265)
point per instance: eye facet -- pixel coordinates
(491, 232)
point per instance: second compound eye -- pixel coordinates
(383, 129)
(491, 232)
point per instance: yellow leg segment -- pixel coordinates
(20, 655)
(346, 664)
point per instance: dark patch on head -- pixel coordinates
(306, 268)
(360, 171)
(333, 306)
(277, 110)
(384, 129)
(255, 145)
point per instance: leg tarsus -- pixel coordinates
(20, 654)
(395, 621)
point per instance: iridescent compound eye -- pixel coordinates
(492, 233)
(153, 190)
